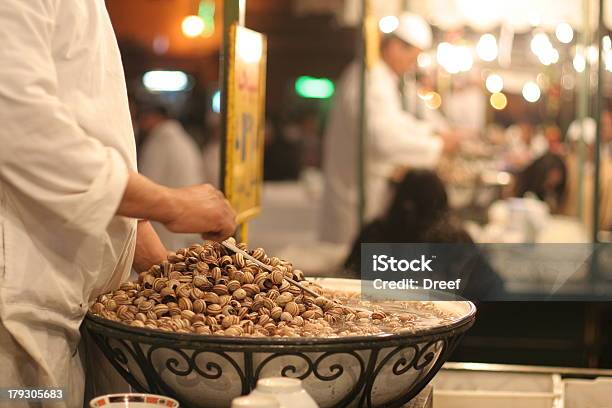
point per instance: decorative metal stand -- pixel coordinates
(377, 371)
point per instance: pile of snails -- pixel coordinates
(207, 290)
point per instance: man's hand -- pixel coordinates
(198, 209)
(202, 209)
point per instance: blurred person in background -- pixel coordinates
(465, 105)
(554, 139)
(168, 155)
(419, 213)
(523, 145)
(394, 137)
(546, 179)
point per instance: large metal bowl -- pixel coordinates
(209, 371)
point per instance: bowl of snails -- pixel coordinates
(204, 325)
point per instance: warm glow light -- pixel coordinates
(498, 101)
(465, 58)
(165, 81)
(433, 101)
(550, 56)
(192, 26)
(608, 60)
(486, 49)
(554, 56)
(388, 24)
(494, 83)
(542, 47)
(249, 46)
(444, 55)
(424, 94)
(564, 33)
(531, 92)
(579, 61)
(592, 54)
(606, 43)
(424, 60)
(540, 43)
(454, 59)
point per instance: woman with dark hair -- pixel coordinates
(420, 202)
(545, 178)
(419, 214)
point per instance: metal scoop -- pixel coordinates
(227, 244)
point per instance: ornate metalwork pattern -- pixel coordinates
(351, 372)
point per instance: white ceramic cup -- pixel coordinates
(255, 401)
(288, 391)
(131, 400)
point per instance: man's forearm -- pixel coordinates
(145, 199)
(201, 208)
(149, 248)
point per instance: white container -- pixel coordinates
(132, 400)
(288, 391)
(595, 393)
(477, 389)
(255, 401)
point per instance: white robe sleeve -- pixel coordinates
(394, 133)
(46, 159)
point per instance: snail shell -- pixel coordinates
(220, 289)
(275, 312)
(201, 282)
(187, 314)
(185, 303)
(378, 315)
(249, 277)
(184, 290)
(230, 321)
(284, 298)
(277, 277)
(292, 308)
(239, 294)
(97, 308)
(213, 309)
(210, 298)
(199, 306)
(143, 306)
(263, 320)
(233, 285)
(251, 289)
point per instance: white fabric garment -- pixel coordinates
(170, 157)
(66, 144)
(466, 108)
(418, 108)
(393, 138)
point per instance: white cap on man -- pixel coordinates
(414, 30)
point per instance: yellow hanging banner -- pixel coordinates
(245, 121)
